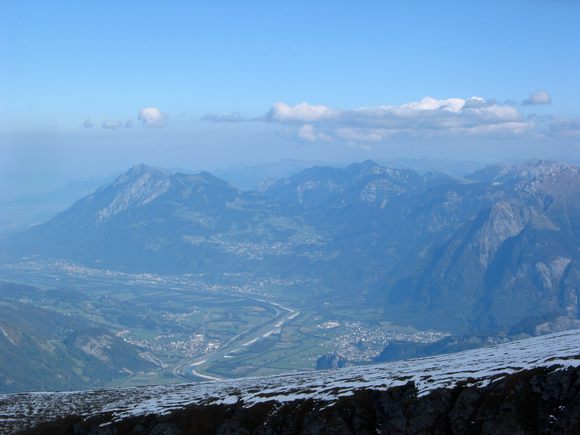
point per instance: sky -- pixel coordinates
(90, 88)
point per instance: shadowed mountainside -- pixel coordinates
(480, 254)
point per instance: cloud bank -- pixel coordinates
(566, 127)
(428, 117)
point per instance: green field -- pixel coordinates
(132, 330)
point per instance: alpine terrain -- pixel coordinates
(494, 251)
(528, 386)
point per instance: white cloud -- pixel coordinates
(358, 135)
(566, 127)
(232, 117)
(505, 129)
(430, 103)
(538, 97)
(308, 133)
(152, 117)
(303, 112)
(426, 118)
(429, 113)
(88, 123)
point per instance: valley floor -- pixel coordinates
(185, 328)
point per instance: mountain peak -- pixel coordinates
(530, 170)
(362, 166)
(141, 168)
(538, 171)
(138, 172)
(138, 186)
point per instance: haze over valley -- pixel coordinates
(290, 217)
(137, 282)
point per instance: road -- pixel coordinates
(189, 369)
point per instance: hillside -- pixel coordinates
(527, 386)
(46, 347)
(481, 254)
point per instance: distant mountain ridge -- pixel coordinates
(482, 253)
(251, 177)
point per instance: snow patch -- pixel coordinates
(479, 367)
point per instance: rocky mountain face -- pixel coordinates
(516, 255)
(479, 254)
(150, 220)
(331, 361)
(529, 403)
(401, 350)
(526, 387)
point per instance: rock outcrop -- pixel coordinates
(523, 387)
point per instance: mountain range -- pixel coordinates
(493, 251)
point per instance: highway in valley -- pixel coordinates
(191, 368)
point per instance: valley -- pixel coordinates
(289, 217)
(162, 276)
(185, 328)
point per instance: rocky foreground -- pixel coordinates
(526, 386)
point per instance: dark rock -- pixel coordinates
(530, 402)
(400, 350)
(331, 361)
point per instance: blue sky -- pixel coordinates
(75, 77)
